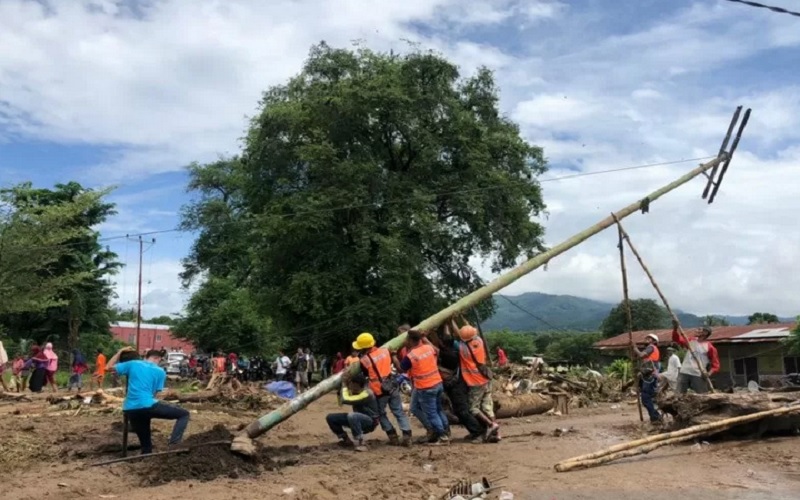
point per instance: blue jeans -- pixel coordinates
(140, 422)
(648, 388)
(395, 403)
(358, 423)
(430, 400)
(417, 411)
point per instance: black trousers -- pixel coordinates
(140, 422)
(458, 393)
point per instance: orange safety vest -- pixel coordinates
(654, 356)
(383, 364)
(469, 369)
(219, 365)
(424, 370)
(350, 360)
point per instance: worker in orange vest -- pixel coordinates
(478, 376)
(352, 358)
(376, 365)
(650, 359)
(650, 353)
(420, 364)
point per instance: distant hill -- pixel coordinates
(566, 312)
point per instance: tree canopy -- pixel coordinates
(365, 185)
(794, 338)
(646, 314)
(761, 318)
(712, 320)
(60, 270)
(223, 317)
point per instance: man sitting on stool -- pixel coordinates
(145, 380)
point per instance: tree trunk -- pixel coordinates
(522, 405)
(695, 409)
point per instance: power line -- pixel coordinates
(533, 315)
(376, 204)
(779, 10)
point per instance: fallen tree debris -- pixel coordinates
(521, 406)
(695, 409)
(648, 444)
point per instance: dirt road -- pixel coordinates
(46, 456)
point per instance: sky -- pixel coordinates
(126, 93)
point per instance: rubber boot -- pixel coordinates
(429, 436)
(345, 441)
(394, 440)
(406, 440)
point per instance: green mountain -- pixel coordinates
(565, 312)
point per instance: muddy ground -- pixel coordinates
(48, 455)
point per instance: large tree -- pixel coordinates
(761, 318)
(221, 316)
(84, 303)
(366, 184)
(646, 315)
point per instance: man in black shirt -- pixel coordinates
(363, 419)
(454, 386)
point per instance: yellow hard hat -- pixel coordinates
(364, 341)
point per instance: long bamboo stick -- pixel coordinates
(696, 430)
(585, 464)
(266, 422)
(629, 316)
(700, 366)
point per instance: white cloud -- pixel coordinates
(175, 82)
(161, 292)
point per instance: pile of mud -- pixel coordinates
(201, 464)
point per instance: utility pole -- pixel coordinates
(243, 442)
(139, 299)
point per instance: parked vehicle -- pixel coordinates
(174, 361)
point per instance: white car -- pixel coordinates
(174, 360)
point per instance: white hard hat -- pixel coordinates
(652, 336)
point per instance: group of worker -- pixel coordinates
(451, 362)
(680, 377)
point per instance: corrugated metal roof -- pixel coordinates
(720, 334)
(132, 324)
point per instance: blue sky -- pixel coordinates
(125, 94)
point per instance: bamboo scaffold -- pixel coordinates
(243, 442)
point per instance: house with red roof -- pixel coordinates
(751, 352)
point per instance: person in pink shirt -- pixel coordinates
(16, 372)
(502, 359)
(52, 366)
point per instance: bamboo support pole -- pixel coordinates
(700, 366)
(629, 317)
(243, 443)
(645, 445)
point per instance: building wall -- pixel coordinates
(150, 338)
(770, 357)
(770, 362)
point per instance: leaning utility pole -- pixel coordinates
(243, 442)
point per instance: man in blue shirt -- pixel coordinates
(145, 380)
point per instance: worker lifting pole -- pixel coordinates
(243, 442)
